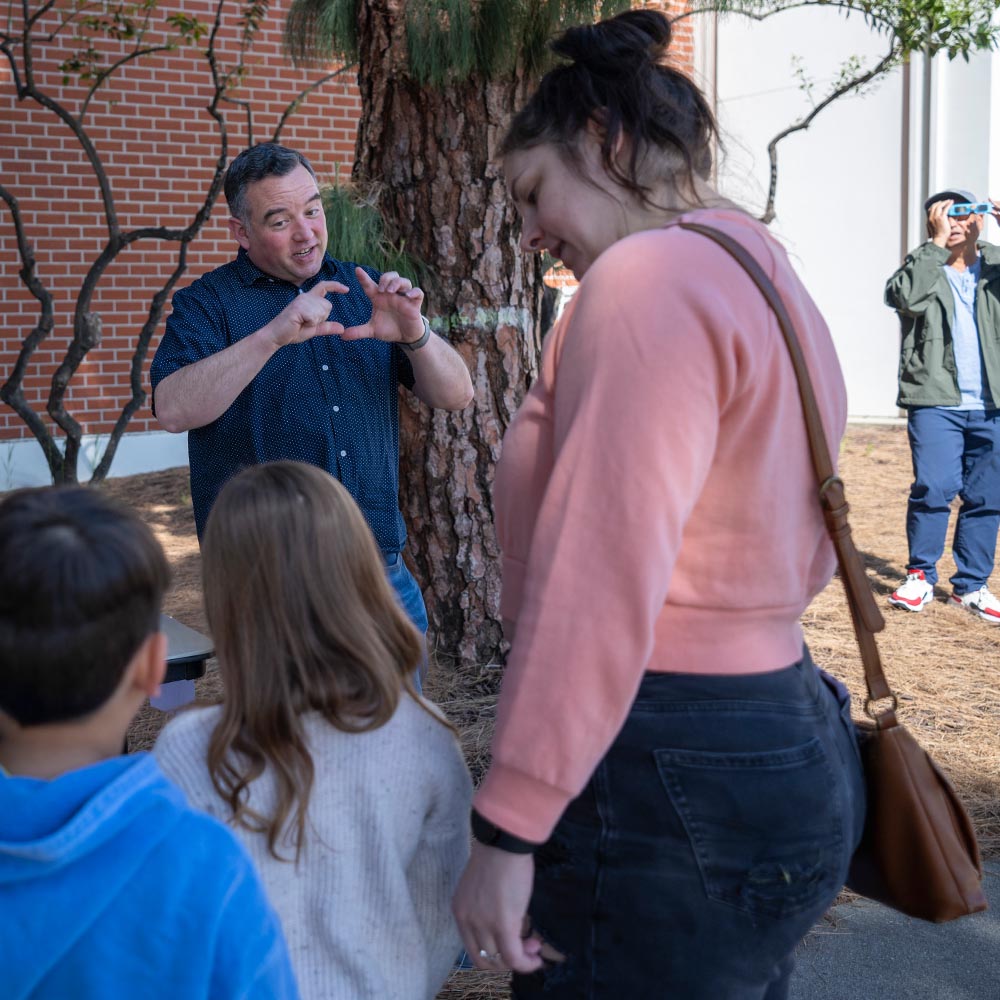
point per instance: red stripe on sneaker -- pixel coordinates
(911, 601)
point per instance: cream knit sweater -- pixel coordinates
(366, 911)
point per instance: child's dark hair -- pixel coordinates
(304, 620)
(617, 80)
(81, 586)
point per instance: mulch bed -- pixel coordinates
(942, 662)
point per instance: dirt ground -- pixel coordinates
(943, 663)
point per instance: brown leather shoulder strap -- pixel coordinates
(865, 613)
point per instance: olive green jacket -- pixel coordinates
(920, 294)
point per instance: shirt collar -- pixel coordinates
(250, 274)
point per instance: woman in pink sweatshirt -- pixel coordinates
(675, 791)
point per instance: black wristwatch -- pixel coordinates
(492, 836)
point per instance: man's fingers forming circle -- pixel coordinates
(324, 288)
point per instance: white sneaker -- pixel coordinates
(916, 593)
(980, 602)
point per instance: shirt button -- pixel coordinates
(343, 454)
(336, 409)
(326, 368)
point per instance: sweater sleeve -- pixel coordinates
(644, 372)
(440, 856)
(915, 285)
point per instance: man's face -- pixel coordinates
(285, 230)
(965, 229)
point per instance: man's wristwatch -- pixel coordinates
(492, 836)
(417, 344)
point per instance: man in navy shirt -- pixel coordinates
(287, 353)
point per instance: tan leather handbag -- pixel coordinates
(918, 853)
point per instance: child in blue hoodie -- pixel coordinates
(110, 885)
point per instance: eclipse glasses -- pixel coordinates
(964, 208)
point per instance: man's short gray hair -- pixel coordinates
(269, 159)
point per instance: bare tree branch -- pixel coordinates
(105, 73)
(11, 392)
(855, 83)
(293, 105)
(755, 12)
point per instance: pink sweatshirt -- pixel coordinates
(655, 502)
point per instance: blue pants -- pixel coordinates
(411, 600)
(713, 834)
(955, 453)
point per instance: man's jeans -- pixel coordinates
(411, 600)
(955, 453)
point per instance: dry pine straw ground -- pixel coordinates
(942, 663)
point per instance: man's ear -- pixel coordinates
(149, 665)
(238, 231)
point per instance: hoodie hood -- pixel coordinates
(68, 849)
(48, 825)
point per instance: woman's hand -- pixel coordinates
(490, 906)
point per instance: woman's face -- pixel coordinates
(575, 211)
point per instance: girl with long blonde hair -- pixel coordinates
(347, 788)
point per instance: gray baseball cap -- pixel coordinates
(957, 195)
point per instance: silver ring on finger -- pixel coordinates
(489, 956)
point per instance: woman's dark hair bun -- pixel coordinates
(616, 75)
(611, 46)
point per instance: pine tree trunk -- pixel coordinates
(431, 153)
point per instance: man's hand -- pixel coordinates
(937, 217)
(395, 310)
(490, 906)
(996, 210)
(306, 316)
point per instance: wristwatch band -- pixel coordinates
(492, 836)
(417, 344)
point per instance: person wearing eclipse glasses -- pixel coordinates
(947, 296)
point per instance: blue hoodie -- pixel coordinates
(112, 886)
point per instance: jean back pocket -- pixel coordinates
(764, 826)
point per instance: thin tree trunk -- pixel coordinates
(432, 153)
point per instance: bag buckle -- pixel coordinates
(877, 716)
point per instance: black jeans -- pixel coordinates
(714, 833)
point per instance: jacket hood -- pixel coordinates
(68, 848)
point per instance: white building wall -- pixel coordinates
(22, 463)
(841, 183)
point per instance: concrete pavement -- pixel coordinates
(869, 952)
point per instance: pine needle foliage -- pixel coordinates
(447, 40)
(322, 31)
(356, 232)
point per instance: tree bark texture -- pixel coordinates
(432, 155)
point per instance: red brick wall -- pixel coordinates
(159, 145)
(151, 128)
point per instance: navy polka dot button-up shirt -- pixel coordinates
(326, 401)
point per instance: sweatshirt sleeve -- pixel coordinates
(644, 372)
(915, 285)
